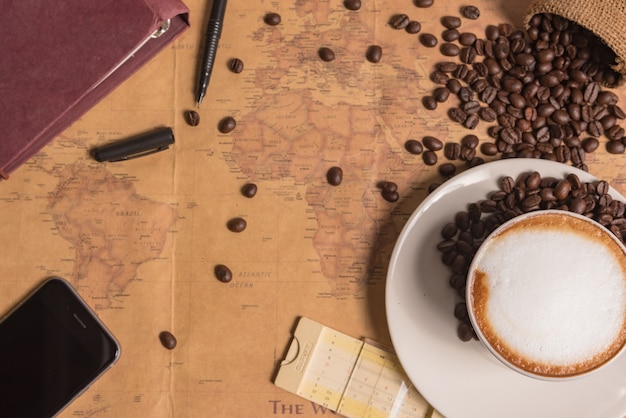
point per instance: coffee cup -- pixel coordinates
(546, 294)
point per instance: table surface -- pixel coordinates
(140, 239)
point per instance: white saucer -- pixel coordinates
(462, 379)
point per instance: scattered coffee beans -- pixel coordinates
(237, 225)
(530, 191)
(326, 54)
(227, 125)
(272, 19)
(334, 176)
(541, 86)
(374, 53)
(352, 4)
(167, 340)
(249, 190)
(235, 65)
(223, 273)
(192, 117)
(389, 191)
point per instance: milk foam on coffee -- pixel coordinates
(549, 294)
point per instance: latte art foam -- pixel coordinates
(549, 294)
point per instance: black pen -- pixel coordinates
(213, 33)
(139, 146)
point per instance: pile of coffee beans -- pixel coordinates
(542, 87)
(462, 236)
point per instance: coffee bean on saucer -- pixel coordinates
(192, 117)
(223, 273)
(326, 54)
(334, 176)
(237, 224)
(272, 19)
(249, 190)
(374, 53)
(227, 125)
(352, 4)
(235, 65)
(167, 340)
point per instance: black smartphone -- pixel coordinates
(52, 347)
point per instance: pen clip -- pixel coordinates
(140, 154)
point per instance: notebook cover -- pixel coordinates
(57, 58)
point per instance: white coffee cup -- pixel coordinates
(546, 294)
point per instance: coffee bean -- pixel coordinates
(451, 22)
(590, 144)
(249, 190)
(352, 4)
(223, 273)
(399, 21)
(457, 115)
(237, 224)
(167, 340)
(432, 143)
(429, 102)
(390, 196)
(192, 117)
(423, 3)
(447, 169)
(388, 186)
(429, 157)
(413, 27)
(470, 12)
(488, 148)
(467, 39)
(615, 147)
(227, 125)
(449, 49)
(334, 176)
(450, 35)
(326, 54)
(272, 19)
(468, 55)
(374, 53)
(471, 121)
(413, 146)
(235, 65)
(449, 231)
(441, 94)
(452, 150)
(428, 40)
(439, 77)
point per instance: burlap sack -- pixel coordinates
(605, 18)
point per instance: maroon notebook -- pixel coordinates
(61, 57)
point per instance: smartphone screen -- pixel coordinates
(52, 347)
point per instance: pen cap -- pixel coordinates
(146, 143)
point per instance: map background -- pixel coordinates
(139, 239)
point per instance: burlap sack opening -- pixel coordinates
(605, 18)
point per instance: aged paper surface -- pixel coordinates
(139, 239)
